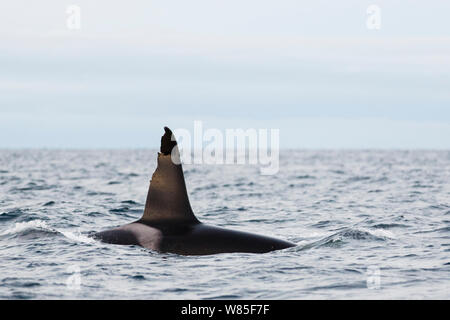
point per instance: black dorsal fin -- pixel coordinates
(167, 199)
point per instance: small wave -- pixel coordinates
(129, 175)
(439, 206)
(120, 210)
(34, 187)
(356, 285)
(358, 178)
(39, 228)
(130, 202)
(306, 176)
(352, 271)
(95, 213)
(338, 239)
(225, 297)
(16, 282)
(190, 171)
(77, 237)
(419, 185)
(207, 187)
(444, 229)
(300, 185)
(21, 227)
(219, 209)
(9, 215)
(126, 211)
(366, 234)
(95, 193)
(250, 194)
(100, 165)
(322, 224)
(389, 225)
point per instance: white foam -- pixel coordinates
(22, 226)
(42, 225)
(380, 233)
(78, 237)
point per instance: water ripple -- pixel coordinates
(349, 212)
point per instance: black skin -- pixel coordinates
(167, 143)
(191, 239)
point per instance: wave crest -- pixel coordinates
(339, 238)
(39, 228)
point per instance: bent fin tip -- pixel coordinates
(168, 142)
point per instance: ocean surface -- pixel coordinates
(367, 224)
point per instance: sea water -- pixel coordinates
(367, 224)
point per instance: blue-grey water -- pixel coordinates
(368, 224)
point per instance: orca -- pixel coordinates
(169, 224)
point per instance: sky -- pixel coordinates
(313, 69)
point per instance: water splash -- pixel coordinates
(41, 226)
